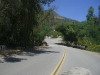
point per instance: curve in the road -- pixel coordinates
(59, 65)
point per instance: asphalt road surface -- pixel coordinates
(82, 59)
(43, 62)
(40, 62)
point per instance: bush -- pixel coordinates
(94, 47)
(68, 32)
(54, 34)
(40, 33)
(84, 41)
(82, 33)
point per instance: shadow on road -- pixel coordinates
(61, 44)
(73, 45)
(13, 59)
(33, 52)
(64, 44)
(25, 52)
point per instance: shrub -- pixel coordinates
(94, 47)
(54, 34)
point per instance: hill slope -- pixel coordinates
(59, 18)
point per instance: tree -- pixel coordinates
(18, 18)
(99, 15)
(99, 11)
(68, 31)
(90, 13)
(40, 32)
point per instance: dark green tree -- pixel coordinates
(18, 19)
(99, 11)
(90, 13)
(99, 15)
(68, 31)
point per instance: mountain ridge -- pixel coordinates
(59, 18)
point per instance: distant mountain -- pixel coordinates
(59, 18)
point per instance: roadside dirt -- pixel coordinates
(10, 52)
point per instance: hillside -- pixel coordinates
(59, 18)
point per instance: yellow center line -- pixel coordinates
(59, 65)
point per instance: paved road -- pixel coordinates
(40, 62)
(82, 59)
(44, 61)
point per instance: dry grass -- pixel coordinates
(39, 47)
(9, 52)
(19, 50)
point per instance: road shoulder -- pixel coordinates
(93, 53)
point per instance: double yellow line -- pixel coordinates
(59, 65)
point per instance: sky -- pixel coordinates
(75, 9)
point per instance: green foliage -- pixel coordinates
(41, 32)
(19, 20)
(94, 47)
(84, 41)
(67, 30)
(54, 34)
(85, 33)
(90, 13)
(99, 11)
(99, 7)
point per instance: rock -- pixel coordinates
(77, 71)
(83, 47)
(44, 43)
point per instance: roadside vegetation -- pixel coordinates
(54, 34)
(24, 23)
(86, 33)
